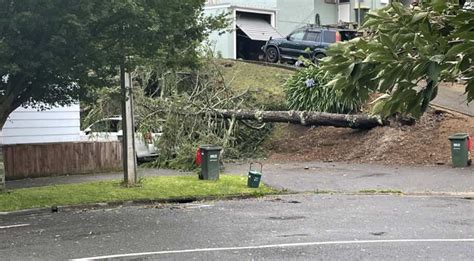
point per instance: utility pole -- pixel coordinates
(358, 14)
(2, 176)
(128, 128)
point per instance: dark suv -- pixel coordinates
(310, 42)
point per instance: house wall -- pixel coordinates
(222, 45)
(290, 15)
(369, 4)
(294, 14)
(28, 125)
(345, 12)
(267, 4)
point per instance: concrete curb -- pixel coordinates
(116, 204)
(184, 200)
(275, 65)
(437, 106)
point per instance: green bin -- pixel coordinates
(459, 150)
(210, 162)
(254, 177)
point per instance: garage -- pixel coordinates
(252, 31)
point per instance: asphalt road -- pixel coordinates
(292, 227)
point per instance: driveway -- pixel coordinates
(354, 178)
(453, 97)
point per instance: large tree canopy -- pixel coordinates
(407, 52)
(53, 51)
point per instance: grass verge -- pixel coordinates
(156, 188)
(381, 191)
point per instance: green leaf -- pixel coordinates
(464, 64)
(385, 39)
(356, 72)
(439, 58)
(419, 69)
(470, 90)
(419, 16)
(460, 49)
(397, 7)
(433, 70)
(434, 93)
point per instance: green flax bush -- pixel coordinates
(307, 90)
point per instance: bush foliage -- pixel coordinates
(405, 54)
(307, 90)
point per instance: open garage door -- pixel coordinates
(257, 28)
(253, 30)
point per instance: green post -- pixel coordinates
(459, 150)
(210, 162)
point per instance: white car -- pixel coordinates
(110, 129)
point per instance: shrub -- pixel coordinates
(307, 91)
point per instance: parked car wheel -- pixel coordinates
(272, 55)
(317, 57)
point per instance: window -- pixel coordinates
(344, 1)
(297, 36)
(313, 36)
(348, 35)
(362, 13)
(329, 37)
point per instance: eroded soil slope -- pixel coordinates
(425, 143)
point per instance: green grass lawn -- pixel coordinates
(156, 188)
(263, 82)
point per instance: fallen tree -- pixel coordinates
(308, 118)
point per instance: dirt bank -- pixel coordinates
(425, 143)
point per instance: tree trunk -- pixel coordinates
(12, 95)
(3, 116)
(306, 118)
(8, 104)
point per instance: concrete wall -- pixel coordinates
(28, 125)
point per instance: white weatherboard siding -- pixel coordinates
(221, 44)
(28, 125)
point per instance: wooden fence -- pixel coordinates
(65, 158)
